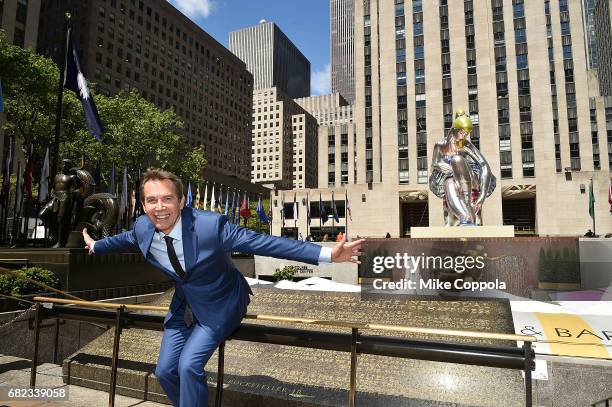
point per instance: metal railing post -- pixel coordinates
(35, 350)
(115, 360)
(353, 384)
(56, 340)
(220, 369)
(529, 365)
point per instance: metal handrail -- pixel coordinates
(483, 355)
(308, 321)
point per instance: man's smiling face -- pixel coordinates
(162, 204)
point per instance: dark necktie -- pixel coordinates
(176, 265)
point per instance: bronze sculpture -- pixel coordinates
(73, 206)
(460, 174)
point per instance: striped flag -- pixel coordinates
(43, 190)
(205, 196)
(348, 206)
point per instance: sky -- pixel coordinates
(305, 22)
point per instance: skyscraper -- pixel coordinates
(602, 18)
(272, 58)
(342, 16)
(588, 11)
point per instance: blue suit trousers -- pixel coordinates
(182, 356)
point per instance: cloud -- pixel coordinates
(194, 8)
(320, 81)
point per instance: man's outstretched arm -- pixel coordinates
(123, 242)
(235, 238)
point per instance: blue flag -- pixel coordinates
(261, 213)
(76, 82)
(334, 209)
(1, 98)
(322, 212)
(189, 197)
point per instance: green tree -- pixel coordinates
(29, 83)
(137, 135)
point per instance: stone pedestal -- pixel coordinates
(462, 231)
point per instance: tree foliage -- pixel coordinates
(137, 136)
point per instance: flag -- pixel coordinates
(245, 211)
(218, 199)
(233, 215)
(137, 198)
(43, 190)
(6, 172)
(346, 204)
(295, 209)
(591, 200)
(111, 180)
(124, 194)
(226, 202)
(76, 82)
(197, 198)
(27, 175)
(322, 212)
(1, 98)
(334, 209)
(282, 210)
(610, 195)
(261, 213)
(308, 206)
(205, 196)
(189, 197)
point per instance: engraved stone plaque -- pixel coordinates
(259, 374)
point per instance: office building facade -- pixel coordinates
(272, 58)
(153, 48)
(19, 21)
(337, 138)
(519, 69)
(603, 28)
(284, 142)
(342, 29)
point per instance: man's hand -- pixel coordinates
(347, 252)
(88, 240)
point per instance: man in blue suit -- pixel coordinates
(211, 295)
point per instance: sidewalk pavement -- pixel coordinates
(15, 372)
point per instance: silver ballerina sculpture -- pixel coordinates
(460, 174)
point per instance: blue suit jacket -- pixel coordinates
(216, 291)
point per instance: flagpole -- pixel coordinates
(17, 197)
(346, 219)
(60, 94)
(259, 220)
(307, 213)
(591, 193)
